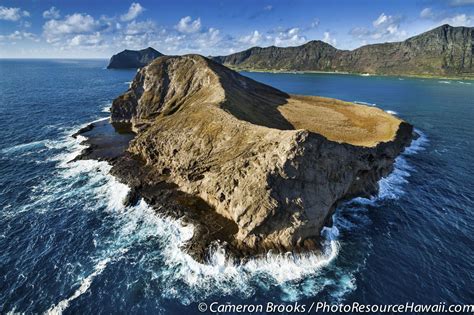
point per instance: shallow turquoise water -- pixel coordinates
(68, 245)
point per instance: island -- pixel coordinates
(254, 169)
(133, 59)
(445, 51)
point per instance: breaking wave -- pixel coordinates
(392, 186)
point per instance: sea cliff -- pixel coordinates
(267, 167)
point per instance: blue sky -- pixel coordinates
(97, 29)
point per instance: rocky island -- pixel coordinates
(133, 58)
(445, 51)
(250, 166)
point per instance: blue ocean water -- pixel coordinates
(67, 244)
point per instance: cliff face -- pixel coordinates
(133, 58)
(443, 51)
(273, 163)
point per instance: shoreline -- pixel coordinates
(412, 76)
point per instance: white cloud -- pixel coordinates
(133, 12)
(385, 27)
(251, 39)
(137, 35)
(139, 28)
(427, 13)
(328, 39)
(459, 20)
(443, 17)
(380, 20)
(268, 8)
(19, 35)
(187, 25)
(86, 40)
(290, 37)
(51, 13)
(77, 23)
(386, 21)
(12, 14)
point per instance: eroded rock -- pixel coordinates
(273, 164)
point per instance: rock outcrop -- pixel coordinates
(273, 163)
(443, 51)
(133, 58)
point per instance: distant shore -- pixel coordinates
(417, 76)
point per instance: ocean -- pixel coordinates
(68, 245)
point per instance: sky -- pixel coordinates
(98, 29)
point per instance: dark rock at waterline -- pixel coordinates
(133, 58)
(85, 129)
(104, 141)
(132, 198)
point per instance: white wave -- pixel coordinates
(445, 82)
(418, 144)
(462, 82)
(106, 108)
(364, 103)
(391, 187)
(85, 285)
(23, 147)
(392, 112)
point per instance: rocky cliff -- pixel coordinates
(443, 51)
(133, 58)
(274, 164)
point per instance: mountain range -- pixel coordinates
(443, 51)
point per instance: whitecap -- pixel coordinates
(28, 146)
(445, 82)
(392, 112)
(417, 145)
(84, 286)
(392, 186)
(106, 107)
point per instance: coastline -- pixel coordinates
(414, 76)
(106, 142)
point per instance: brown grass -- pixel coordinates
(340, 121)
